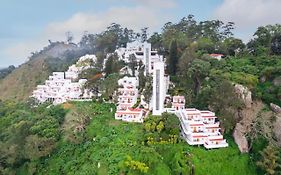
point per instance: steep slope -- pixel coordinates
(19, 84)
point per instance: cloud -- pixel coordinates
(249, 13)
(134, 18)
(141, 15)
(158, 3)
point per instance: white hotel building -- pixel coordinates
(65, 86)
(127, 98)
(199, 127)
(142, 52)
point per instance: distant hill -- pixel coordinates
(19, 84)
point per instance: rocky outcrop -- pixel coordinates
(277, 130)
(275, 108)
(244, 94)
(277, 125)
(247, 117)
(240, 138)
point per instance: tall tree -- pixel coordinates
(233, 45)
(156, 41)
(144, 34)
(173, 58)
(198, 70)
(112, 65)
(133, 63)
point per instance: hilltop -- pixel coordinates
(19, 84)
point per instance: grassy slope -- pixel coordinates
(19, 84)
(114, 140)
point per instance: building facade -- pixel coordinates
(65, 86)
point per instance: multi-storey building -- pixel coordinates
(65, 86)
(198, 127)
(178, 102)
(127, 98)
(127, 92)
(131, 115)
(141, 52)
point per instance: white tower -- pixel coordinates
(159, 89)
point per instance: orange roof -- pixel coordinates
(216, 55)
(216, 139)
(196, 125)
(199, 136)
(135, 109)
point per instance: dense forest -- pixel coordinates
(84, 138)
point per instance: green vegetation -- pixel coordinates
(84, 138)
(91, 141)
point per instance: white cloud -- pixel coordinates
(157, 3)
(134, 18)
(142, 15)
(250, 13)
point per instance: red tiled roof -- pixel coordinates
(196, 124)
(216, 139)
(216, 55)
(135, 109)
(199, 136)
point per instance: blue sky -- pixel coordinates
(26, 25)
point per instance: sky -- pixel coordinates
(27, 25)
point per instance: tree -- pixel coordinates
(142, 78)
(227, 32)
(156, 41)
(37, 147)
(269, 161)
(133, 63)
(186, 59)
(233, 45)
(112, 65)
(109, 85)
(69, 37)
(198, 70)
(160, 126)
(148, 89)
(276, 44)
(223, 100)
(144, 34)
(206, 45)
(173, 58)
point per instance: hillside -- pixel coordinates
(19, 84)
(84, 138)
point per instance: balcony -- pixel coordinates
(218, 144)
